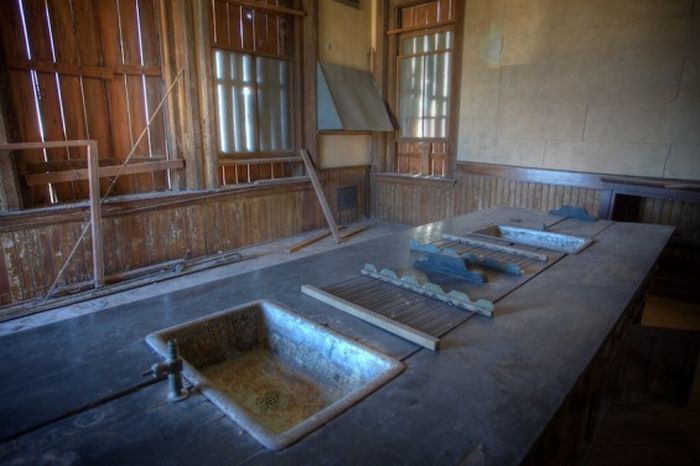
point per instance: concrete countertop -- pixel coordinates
(72, 391)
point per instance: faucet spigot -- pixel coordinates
(173, 368)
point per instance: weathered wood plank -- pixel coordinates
(404, 331)
(63, 176)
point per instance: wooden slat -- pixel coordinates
(135, 92)
(153, 88)
(34, 168)
(24, 126)
(390, 325)
(42, 145)
(107, 18)
(64, 176)
(89, 44)
(98, 266)
(40, 40)
(65, 43)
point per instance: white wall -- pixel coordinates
(607, 86)
(344, 39)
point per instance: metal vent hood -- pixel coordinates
(347, 99)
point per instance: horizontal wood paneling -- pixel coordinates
(414, 202)
(143, 232)
(476, 187)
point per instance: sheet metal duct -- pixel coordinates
(348, 100)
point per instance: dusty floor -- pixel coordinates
(264, 255)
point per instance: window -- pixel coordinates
(83, 70)
(252, 95)
(424, 85)
(253, 69)
(423, 69)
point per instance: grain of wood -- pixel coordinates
(404, 331)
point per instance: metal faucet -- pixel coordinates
(173, 367)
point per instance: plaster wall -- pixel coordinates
(344, 39)
(609, 86)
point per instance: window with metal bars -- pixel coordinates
(253, 68)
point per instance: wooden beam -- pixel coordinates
(397, 328)
(311, 171)
(261, 160)
(45, 145)
(205, 85)
(71, 69)
(535, 175)
(308, 241)
(353, 231)
(182, 118)
(316, 238)
(98, 266)
(266, 7)
(83, 173)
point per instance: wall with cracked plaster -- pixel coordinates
(610, 86)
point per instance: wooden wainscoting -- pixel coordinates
(150, 230)
(415, 201)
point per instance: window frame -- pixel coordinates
(388, 51)
(296, 81)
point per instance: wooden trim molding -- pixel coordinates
(123, 205)
(417, 180)
(533, 175)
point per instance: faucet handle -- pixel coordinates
(172, 367)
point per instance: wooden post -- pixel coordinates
(178, 52)
(309, 52)
(95, 214)
(207, 106)
(424, 148)
(311, 171)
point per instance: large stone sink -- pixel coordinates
(278, 375)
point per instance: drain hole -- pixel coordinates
(268, 400)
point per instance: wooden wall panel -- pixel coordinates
(410, 201)
(33, 257)
(684, 215)
(33, 244)
(419, 201)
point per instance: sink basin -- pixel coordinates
(278, 375)
(539, 238)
